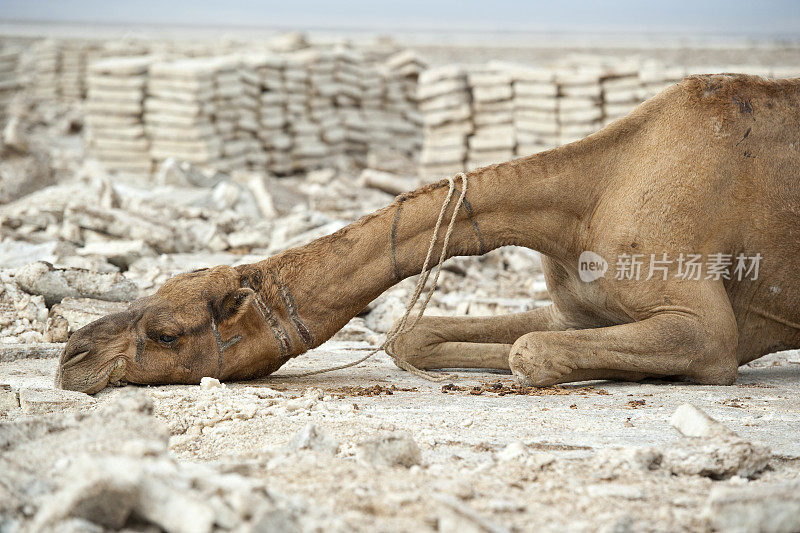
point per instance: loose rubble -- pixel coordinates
(711, 449)
(311, 438)
(771, 508)
(708, 449)
(137, 483)
(395, 449)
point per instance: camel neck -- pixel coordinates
(316, 289)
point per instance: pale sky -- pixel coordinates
(771, 18)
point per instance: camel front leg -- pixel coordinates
(471, 342)
(701, 348)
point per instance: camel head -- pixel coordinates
(203, 323)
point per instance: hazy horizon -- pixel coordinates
(732, 18)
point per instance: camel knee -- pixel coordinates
(419, 345)
(715, 368)
(714, 360)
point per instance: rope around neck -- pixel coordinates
(402, 326)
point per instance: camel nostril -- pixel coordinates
(74, 354)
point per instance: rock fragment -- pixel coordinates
(119, 475)
(711, 449)
(457, 517)
(23, 316)
(56, 284)
(38, 401)
(121, 253)
(8, 398)
(761, 508)
(37, 350)
(312, 438)
(208, 383)
(103, 497)
(78, 312)
(692, 422)
(386, 181)
(391, 449)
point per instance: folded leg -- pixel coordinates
(471, 342)
(698, 344)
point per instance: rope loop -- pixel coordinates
(402, 326)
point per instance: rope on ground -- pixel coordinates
(402, 326)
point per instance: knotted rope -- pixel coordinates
(402, 326)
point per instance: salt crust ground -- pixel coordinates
(562, 481)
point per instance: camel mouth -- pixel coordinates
(112, 376)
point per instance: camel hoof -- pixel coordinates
(537, 363)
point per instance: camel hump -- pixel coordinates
(737, 94)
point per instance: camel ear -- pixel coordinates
(231, 306)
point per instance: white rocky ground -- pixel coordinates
(598, 456)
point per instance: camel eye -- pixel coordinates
(167, 339)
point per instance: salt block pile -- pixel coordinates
(349, 71)
(254, 156)
(622, 92)
(323, 90)
(59, 68)
(9, 78)
(46, 65)
(178, 116)
(493, 139)
(72, 75)
(402, 130)
(272, 110)
(229, 105)
(579, 104)
(444, 100)
(114, 109)
(191, 111)
(535, 110)
(308, 149)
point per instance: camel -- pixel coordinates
(708, 168)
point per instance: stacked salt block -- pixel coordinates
(9, 80)
(308, 148)
(46, 65)
(622, 92)
(229, 104)
(493, 139)
(535, 110)
(248, 127)
(119, 48)
(374, 105)
(655, 77)
(580, 109)
(179, 115)
(204, 111)
(348, 75)
(403, 126)
(350, 72)
(114, 114)
(273, 113)
(444, 101)
(72, 79)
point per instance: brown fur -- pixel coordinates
(711, 165)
